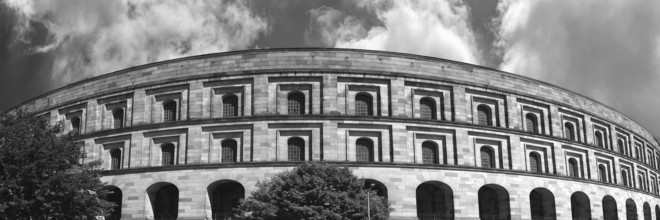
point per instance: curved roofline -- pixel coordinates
(236, 52)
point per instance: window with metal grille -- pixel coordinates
(622, 146)
(573, 168)
(75, 124)
(296, 149)
(363, 104)
(429, 152)
(531, 123)
(569, 131)
(602, 173)
(167, 151)
(535, 162)
(169, 109)
(625, 177)
(296, 103)
(484, 115)
(427, 108)
(229, 151)
(364, 150)
(230, 106)
(115, 156)
(598, 136)
(118, 116)
(487, 159)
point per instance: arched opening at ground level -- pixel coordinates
(115, 196)
(580, 206)
(631, 209)
(225, 196)
(647, 211)
(379, 187)
(494, 202)
(609, 208)
(164, 198)
(435, 200)
(542, 204)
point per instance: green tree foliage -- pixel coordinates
(313, 191)
(40, 177)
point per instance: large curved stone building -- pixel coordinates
(440, 139)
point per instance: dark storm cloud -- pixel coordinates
(609, 51)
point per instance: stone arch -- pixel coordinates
(609, 208)
(494, 202)
(631, 209)
(580, 206)
(542, 204)
(115, 196)
(164, 199)
(647, 211)
(380, 188)
(224, 196)
(435, 200)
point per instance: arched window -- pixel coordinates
(625, 177)
(427, 108)
(487, 157)
(364, 104)
(569, 131)
(602, 173)
(114, 196)
(598, 136)
(296, 149)
(573, 168)
(531, 123)
(225, 196)
(580, 206)
(364, 150)
(118, 117)
(167, 151)
(164, 200)
(380, 188)
(229, 106)
(647, 211)
(494, 202)
(296, 103)
(229, 151)
(535, 162)
(609, 208)
(657, 212)
(435, 200)
(542, 204)
(429, 152)
(631, 209)
(75, 124)
(169, 109)
(115, 161)
(622, 146)
(484, 115)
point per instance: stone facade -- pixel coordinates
(536, 136)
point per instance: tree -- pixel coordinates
(40, 177)
(313, 191)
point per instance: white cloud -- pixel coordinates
(94, 37)
(607, 50)
(433, 28)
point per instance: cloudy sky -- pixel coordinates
(606, 50)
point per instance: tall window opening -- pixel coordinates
(230, 106)
(225, 196)
(296, 149)
(625, 177)
(229, 151)
(631, 209)
(535, 162)
(494, 202)
(118, 118)
(169, 109)
(609, 208)
(484, 115)
(573, 168)
(598, 136)
(429, 152)
(435, 200)
(487, 157)
(532, 123)
(622, 147)
(164, 201)
(580, 206)
(364, 104)
(364, 150)
(602, 173)
(114, 196)
(569, 131)
(167, 151)
(542, 204)
(427, 108)
(647, 211)
(115, 156)
(75, 124)
(296, 103)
